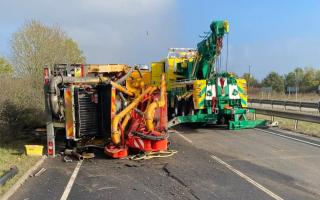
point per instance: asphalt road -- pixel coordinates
(211, 163)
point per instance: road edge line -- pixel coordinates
(247, 178)
(22, 179)
(184, 137)
(288, 137)
(73, 177)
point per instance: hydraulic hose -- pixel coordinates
(53, 99)
(125, 121)
(149, 114)
(139, 71)
(116, 135)
(121, 88)
(132, 89)
(124, 78)
(151, 137)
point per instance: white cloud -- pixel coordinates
(108, 31)
(140, 31)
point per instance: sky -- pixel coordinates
(269, 35)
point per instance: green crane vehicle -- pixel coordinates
(197, 92)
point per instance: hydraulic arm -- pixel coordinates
(209, 49)
(198, 92)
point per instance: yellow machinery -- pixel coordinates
(116, 104)
(197, 91)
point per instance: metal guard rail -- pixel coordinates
(289, 115)
(314, 105)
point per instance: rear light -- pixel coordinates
(46, 75)
(50, 148)
(82, 70)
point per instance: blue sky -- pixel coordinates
(269, 35)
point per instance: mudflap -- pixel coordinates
(202, 118)
(116, 151)
(147, 145)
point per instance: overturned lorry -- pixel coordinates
(114, 105)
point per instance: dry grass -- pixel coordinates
(13, 154)
(306, 128)
(313, 97)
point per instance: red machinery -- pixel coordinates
(117, 104)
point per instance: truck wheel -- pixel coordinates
(170, 113)
(70, 144)
(183, 107)
(177, 107)
(189, 107)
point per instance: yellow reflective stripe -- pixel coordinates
(244, 100)
(113, 102)
(69, 115)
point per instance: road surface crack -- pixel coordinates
(178, 180)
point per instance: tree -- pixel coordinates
(251, 81)
(5, 67)
(308, 79)
(290, 79)
(317, 77)
(299, 73)
(36, 45)
(295, 78)
(274, 80)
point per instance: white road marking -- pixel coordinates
(288, 137)
(71, 181)
(271, 194)
(184, 137)
(256, 184)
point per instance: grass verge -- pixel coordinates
(13, 153)
(311, 97)
(306, 128)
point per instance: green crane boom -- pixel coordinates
(209, 49)
(197, 92)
